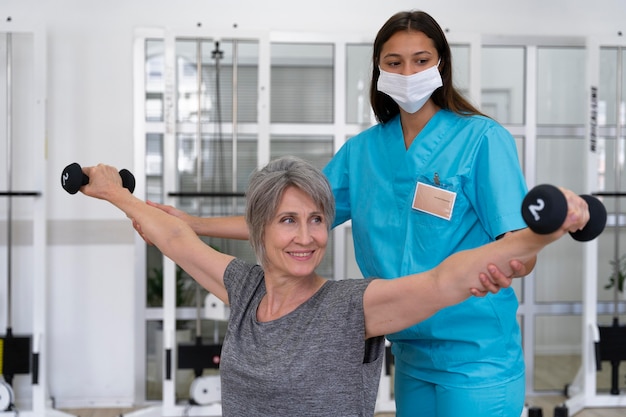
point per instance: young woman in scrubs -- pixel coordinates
(434, 177)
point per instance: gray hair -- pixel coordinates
(266, 188)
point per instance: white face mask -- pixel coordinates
(410, 92)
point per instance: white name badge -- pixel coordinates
(433, 200)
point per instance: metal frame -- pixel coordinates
(168, 406)
(40, 398)
(584, 386)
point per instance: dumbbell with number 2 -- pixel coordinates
(73, 177)
(544, 210)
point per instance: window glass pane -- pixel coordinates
(558, 356)
(557, 351)
(154, 167)
(608, 109)
(358, 79)
(612, 178)
(607, 90)
(607, 245)
(302, 83)
(559, 271)
(351, 267)
(502, 80)
(561, 92)
(611, 170)
(215, 173)
(246, 76)
(190, 82)
(612, 153)
(316, 149)
(519, 144)
(222, 64)
(155, 360)
(518, 284)
(604, 376)
(155, 80)
(461, 68)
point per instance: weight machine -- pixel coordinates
(599, 343)
(23, 69)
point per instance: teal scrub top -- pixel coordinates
(374, 178)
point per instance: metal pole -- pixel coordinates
(198, 170)
(9, 102)
(619, 167)
(235, 104)
(218, 54)
(198, 143)
(219, 161)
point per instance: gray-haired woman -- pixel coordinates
(299, 344)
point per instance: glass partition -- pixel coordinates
(302, 83)
(503, 83)
(561, 96)
(358, 78)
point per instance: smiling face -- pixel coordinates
(408, 52)
(295, 238)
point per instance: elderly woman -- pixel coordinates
(299, 344)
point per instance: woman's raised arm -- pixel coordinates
(170, 234)
(393, 305)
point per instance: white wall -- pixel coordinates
(92, 301)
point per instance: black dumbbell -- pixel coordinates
(73, 177)
(545, 207)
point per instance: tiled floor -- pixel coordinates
(546, 403)
(552, 373)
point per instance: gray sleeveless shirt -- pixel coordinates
(313, 362)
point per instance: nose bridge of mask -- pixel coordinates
(424, 80)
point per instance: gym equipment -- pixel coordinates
(6, 396)
(215, 309)
(21, 353)
(583, 392)
(73, 177)
(14, 355)
(14, 351)
(561, 411)
(544, 210)
(206, 390)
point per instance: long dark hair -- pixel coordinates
(446, 97)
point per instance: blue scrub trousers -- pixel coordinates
(417, 398)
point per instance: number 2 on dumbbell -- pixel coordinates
(535, 209)
(544, 210)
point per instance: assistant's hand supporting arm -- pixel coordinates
(230, 227)
(498, 279)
